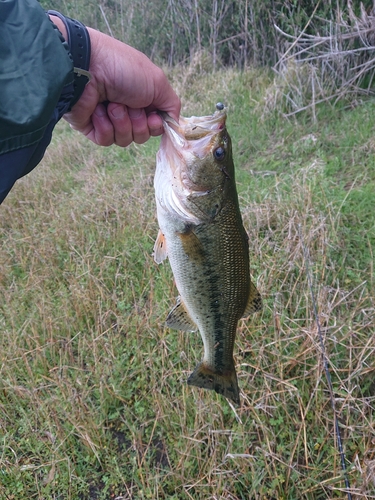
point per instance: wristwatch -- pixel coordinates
(80, 50)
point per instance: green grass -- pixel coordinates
(93, 398)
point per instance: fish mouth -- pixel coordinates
(185, 146)
(199, 129)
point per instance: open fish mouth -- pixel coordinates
(195, 128)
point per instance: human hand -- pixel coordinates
(118, 105)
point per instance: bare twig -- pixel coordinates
(322, 68)
(106, 20)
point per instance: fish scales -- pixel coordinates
(202, 234)
(222, 291)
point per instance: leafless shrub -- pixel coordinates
(337, 63)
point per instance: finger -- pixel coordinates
(103, 131)
(138, 119)
(155, 124)
(165, 98)
(119, 116)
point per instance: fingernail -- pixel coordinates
(100, 110)
(135, 112)
(118, 112)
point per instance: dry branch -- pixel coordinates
(324, 68)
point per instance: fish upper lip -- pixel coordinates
(167, 118)
(192, 128)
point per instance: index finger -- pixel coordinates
(166, 99)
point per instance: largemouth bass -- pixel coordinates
(202, 234)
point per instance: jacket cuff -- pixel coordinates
(80, 50)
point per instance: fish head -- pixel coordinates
(196, 157)
(198, 150)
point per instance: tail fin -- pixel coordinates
(223, 383)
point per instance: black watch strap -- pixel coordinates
(80, 49)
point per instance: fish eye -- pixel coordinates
(219, 153)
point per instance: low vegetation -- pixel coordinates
(93, 399)
(239, 33)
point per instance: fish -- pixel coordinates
(202, 234)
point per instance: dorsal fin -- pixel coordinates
(254, 302)
(160, 248)
(179, 318)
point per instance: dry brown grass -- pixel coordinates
(335, 61)
(93, 400)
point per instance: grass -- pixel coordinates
(93, 399)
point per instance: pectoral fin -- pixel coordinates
(179, 318)
(160, 248)
(192, 245)
(254, 302)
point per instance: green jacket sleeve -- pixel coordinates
(35, 65)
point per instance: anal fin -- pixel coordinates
(179, 318)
